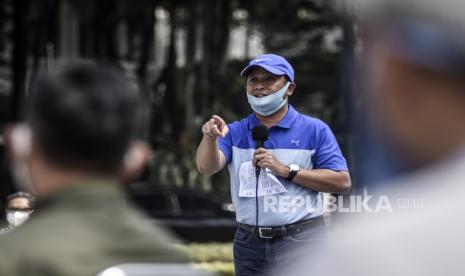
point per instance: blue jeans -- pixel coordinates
(257, 256)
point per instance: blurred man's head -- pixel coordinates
(415, 58)
(81, 120)
(18, 208)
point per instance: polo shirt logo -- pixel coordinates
(296, 142)
(261, 59)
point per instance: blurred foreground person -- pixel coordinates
(18, 209)
(78, 139)
(415, 55)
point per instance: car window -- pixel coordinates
(193, 202)
(153, 202)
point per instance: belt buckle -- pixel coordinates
(263, 236)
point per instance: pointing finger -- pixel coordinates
(215, 130)
(218, 120)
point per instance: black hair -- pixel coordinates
(84, 116)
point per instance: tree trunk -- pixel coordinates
(147, 38)
(191, 75)
(105, 22)
(19, 56)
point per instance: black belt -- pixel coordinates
(281, 231)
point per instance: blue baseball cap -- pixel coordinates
(272, 63)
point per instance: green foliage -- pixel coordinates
(216, 257)
(173, 170)
(295, 29)
(182, 96)
(209, 252)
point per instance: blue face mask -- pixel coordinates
(269, 104)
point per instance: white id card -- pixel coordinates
(268, 184)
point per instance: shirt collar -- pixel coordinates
(286, 122)
(85, 194)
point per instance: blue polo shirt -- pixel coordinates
(296, 139)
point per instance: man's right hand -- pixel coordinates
(209, 158)
(215, 127)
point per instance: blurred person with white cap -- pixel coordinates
(414, 57)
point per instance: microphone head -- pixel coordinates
(260, 133)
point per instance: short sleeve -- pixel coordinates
(328, 154)
(225, 145)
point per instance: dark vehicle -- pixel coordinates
(191, 215)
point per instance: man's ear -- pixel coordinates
(18, 141)
(135, 160)
(291, 89)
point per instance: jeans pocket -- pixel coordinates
(242, 236)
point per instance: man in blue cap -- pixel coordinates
(299, 161)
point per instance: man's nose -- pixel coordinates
(259, 87)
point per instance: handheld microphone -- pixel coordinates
(259, 135)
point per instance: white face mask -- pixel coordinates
(16, 218)
(269, 104)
